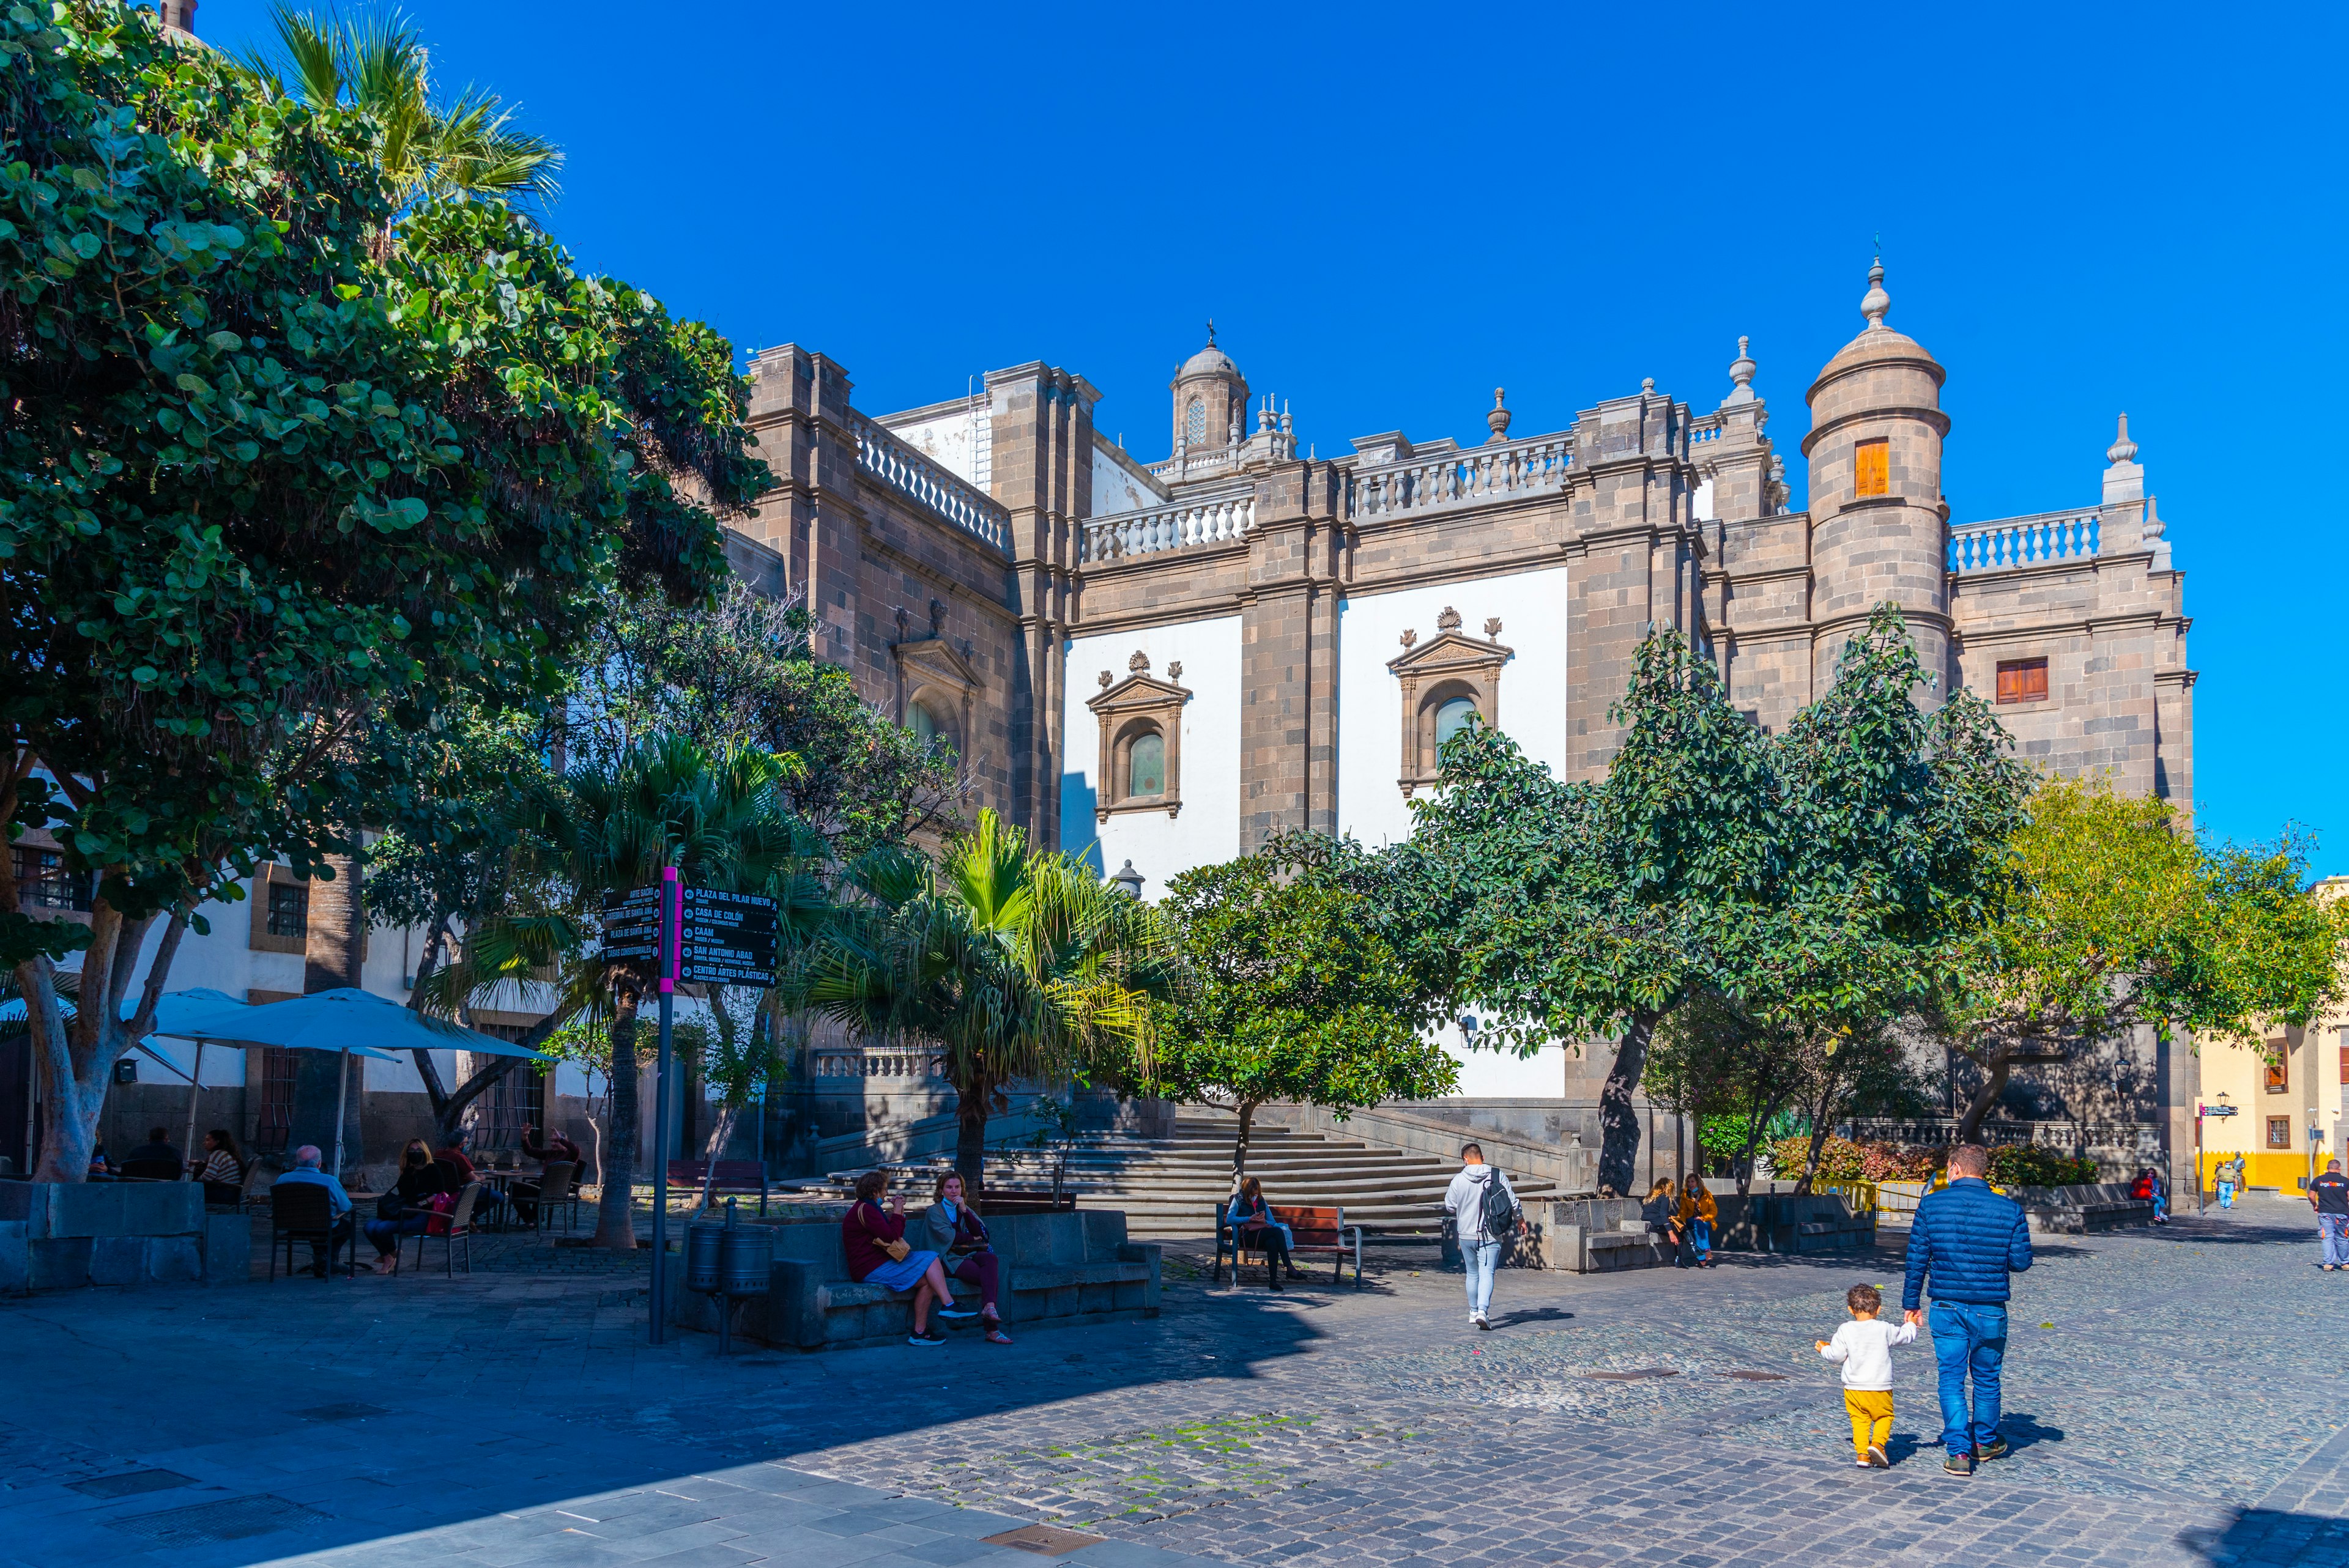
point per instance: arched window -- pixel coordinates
(1145, 767)
(1451, 715)
(1194, 423)
(927, 725)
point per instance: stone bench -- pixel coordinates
(1784, 1222)
(1072, 1267)
(2077, 1210)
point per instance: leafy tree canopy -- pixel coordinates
(1293, 995)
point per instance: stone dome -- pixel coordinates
(1879, 343)
(1209, 361)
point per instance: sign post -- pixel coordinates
(668, 944)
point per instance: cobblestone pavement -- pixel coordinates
(2171, 1399)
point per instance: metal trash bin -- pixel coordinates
(746, 1260)
(704, 1242)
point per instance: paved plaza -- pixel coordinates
(2172, 1397)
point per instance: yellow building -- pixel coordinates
(2287, 1098)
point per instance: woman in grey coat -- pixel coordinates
(950, 1224)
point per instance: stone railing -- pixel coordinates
(1460, 478)
(941, 490)
(1178, 525)
(1186, 465)
(1705, 427)
(2011, 542)
(876, 1063)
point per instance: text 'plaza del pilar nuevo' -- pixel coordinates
(1161, 664)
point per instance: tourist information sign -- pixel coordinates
(726, 938)
(632, 924)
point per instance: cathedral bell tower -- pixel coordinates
(1879, 528)
(1210, 401)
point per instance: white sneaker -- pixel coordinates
(1480, 1320)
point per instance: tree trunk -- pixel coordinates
(1995, 1072)
(331, 952)
(616, 1218)
(971, 1135)
(1240, 1143)
(75, 1061)
(1618, 1121)
(719, 1134)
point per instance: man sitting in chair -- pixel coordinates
(307, 1162)
(547, 1149)
(155, 1160)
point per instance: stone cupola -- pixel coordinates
(1879, 528)
(1210, 401)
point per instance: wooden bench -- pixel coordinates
(1311, 1230)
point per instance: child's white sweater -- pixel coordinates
(1864, 1346)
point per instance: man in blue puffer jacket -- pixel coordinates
(1968, 1240)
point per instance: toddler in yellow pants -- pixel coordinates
(1864, 1348)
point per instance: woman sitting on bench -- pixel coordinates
(950, 1224)
(1253, 1226)
(875, 1245)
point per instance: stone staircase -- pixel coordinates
(1169, 1187)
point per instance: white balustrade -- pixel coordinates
(857, 1064)
(1190, 465)
(1195, 521)
(1705, 427)
(944, 491)
(1460, 478)
(2012, 542)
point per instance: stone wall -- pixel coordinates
(67, 1235)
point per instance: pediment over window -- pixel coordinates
(1444, 679)
(937, 691)
(1140, 741)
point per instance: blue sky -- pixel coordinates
(1389, 212)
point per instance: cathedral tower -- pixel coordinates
(1879, 528)
(1210, 401)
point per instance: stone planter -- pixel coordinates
(58, 1235)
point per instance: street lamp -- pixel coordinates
(1128, 881)
(2201, 1205)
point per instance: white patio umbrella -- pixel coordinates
(352, 1022)
(199, 1014)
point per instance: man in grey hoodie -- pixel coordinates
(1480, 1245)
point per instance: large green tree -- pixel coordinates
(1817, 878)
(2118, 918)
(261, 486)
(1292, 995)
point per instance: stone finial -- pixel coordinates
(1741, 375)
(937, 618)
(1175, 671)
(1288, 427)
(1139, 663)
(1876, 302)
(1409, 637)
(1499, 419)
(1647, 385)
(2153, 526)
(1264, 419)
(1492, 629)
(903, 620)
(2123, 449)
(1449, 621)
(1235, 433)
(1104, 680)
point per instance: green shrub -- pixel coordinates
(2029, 1165)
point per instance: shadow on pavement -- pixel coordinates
(2257, 1537)
(2021, 1430)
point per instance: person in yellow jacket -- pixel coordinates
(1697, 1214)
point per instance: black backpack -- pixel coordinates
(1499, 1210)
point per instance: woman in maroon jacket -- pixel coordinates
(865, 1233)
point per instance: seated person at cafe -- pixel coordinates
(306, 1160)
(407, 1209)
(546, 1148)
(951, 1225)
(878, 1254)
(155, 1160)
(222, 1170)
(462, 1170)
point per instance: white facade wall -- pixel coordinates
(1532, 703)
(948, 440)
(1208, 828)
(1114, 488)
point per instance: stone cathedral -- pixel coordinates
(1159, 664)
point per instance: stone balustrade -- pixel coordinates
(944, 492)
(877, 1064)
(2005, 543)
(1186, 465)
(1421, 484)
(1177, 525)
(1703, 428)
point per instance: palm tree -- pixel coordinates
(1018, 966)
(720, 817)
(466, 149)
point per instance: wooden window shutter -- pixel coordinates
(2023, 680)
(1872, 468)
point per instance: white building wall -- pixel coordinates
(1532, 705)
(948, 439)
(1114, 488)
(1208, 828)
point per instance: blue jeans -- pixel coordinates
(2226, 1194)
(2334, 1229)
(1481, 1258)
(1968, 1337)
